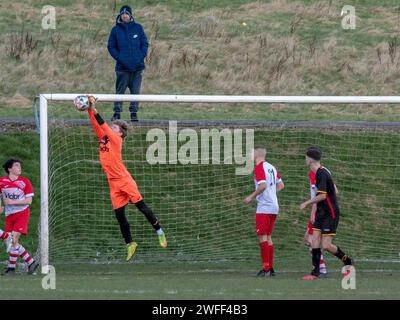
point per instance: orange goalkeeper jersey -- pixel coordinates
(110, 149)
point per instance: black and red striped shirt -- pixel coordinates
(325, 184)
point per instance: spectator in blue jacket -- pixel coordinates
(128, 45)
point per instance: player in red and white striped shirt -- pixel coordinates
(309, 231)
(16, 194)
(268, 183)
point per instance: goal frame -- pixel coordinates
(44, 161)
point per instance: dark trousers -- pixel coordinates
(131, 80)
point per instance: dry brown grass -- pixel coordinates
(262, 64)
(323, 9)
(206, 52)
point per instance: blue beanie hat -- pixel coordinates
(126, 9)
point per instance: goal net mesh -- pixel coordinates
(200, 206)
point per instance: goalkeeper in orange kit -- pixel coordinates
(122, 186)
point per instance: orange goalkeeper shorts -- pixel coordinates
(122, 191)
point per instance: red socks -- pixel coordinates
(267, 255)
(3, 235)
(264, 250)
(271, 256)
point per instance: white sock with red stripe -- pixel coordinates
(322, 266)
(3, 235)
(13, 257)
(25, 255)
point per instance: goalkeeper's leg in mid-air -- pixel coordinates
(123, 191)
(125, 227)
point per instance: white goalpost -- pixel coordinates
(45, 174)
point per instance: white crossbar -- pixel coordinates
(232, 99)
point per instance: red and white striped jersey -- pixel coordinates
(19, 189)
(267, 202)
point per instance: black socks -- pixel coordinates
(342, 256)
(316, 258)
(123, 224)
(148, 213)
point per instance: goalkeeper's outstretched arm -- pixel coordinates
(100, 126)
(92, 116)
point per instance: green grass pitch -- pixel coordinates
(204, 281)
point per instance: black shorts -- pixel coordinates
(325, 223)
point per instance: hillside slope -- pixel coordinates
(208, 47)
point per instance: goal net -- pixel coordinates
(200, 204)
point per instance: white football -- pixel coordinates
(81, 103)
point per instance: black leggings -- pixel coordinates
(148, 213)
(124, 224)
